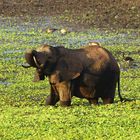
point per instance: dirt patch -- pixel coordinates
(91, 13)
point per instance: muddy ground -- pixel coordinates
(90, 13)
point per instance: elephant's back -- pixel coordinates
(96, 53)
(99, 59)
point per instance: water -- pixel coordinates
(13, 51)
(5, 83)
(19, 34)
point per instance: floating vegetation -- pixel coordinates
(23, 111)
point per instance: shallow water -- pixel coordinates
(12, 51)
(19, 34)
(5, 83)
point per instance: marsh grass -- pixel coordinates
(23, 114)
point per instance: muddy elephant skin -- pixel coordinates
(89, 72)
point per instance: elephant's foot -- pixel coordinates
(108, 100)
(65, 103)
(93, 101)
(51, 100)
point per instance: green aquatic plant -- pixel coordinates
(23, 114)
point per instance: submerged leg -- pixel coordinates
(108, 100)
(93, 101)
(53, 98)
(64, 90)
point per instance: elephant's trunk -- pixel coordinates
(31, 59)
(36, 63)
(26, 66)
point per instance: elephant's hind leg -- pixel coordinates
(108, 100)
(109, 93)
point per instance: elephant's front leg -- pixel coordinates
(64, 90)
(93, 101)
(53, 98)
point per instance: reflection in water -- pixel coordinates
(5, 83)
(12, 51)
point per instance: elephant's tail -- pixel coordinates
(119, 92)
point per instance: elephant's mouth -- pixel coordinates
(32, 61)
(39, 66)
(42, 68)
(36, 64)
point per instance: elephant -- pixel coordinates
(90, 72)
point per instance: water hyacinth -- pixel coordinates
(22, 102)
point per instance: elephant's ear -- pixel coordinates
(69, 69)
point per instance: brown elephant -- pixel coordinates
(90, 72)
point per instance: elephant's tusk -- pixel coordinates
(36, 62)
(26, 66)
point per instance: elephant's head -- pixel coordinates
(55, 62)
(43, 59)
